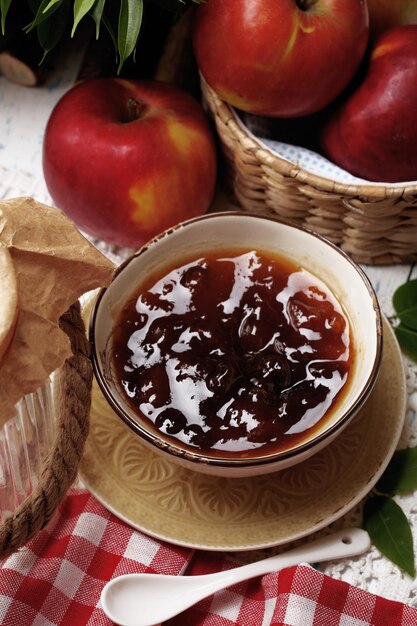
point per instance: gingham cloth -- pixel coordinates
(58, 577)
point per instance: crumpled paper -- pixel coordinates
(54, 265)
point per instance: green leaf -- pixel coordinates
(111, 32)
(81, 8)
(51, 31)
(130, 19)
(407, 338)
(43, 14)
(96, 13)
(50, 4)
(4, 8)
(404, 301)
(390, 531)
(401, 473)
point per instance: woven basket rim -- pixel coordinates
(266, 156)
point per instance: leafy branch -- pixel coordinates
(385, 521)
(404, 321)
(388, 526)
(122, 19)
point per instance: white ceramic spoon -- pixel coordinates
(148, 599)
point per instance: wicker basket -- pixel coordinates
(58, 465)
(375, 224)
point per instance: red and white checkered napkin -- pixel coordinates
(58, 577)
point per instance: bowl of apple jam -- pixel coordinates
(237, 344)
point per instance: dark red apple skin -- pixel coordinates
(373, 134)
(125, 181)
(385, 14)
(272, 58)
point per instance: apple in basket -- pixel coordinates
(128, 159)
(284, 59)
(384, 14)
(373, 134)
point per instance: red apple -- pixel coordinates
(128, 159)
(384, 14)
(373, 134)
(283, 58)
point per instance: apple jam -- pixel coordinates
(233, 353)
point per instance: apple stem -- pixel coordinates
(135, 109)
(305, 5)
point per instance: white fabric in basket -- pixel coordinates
(304, 158)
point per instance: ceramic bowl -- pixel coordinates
(343, 277)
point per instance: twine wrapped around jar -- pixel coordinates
(61, 464)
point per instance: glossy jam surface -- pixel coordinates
(233, 353)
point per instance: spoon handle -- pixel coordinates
(341, 544)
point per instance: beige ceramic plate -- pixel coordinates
(200, 511)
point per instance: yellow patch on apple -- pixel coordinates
(233, 99)
(151, 200)
(292, 39)
(386, 48)
(144, 199)
(126, 83)
(298, 25)
(183, 137)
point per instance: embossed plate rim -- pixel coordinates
(105, 494)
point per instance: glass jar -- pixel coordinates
(25, 441)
